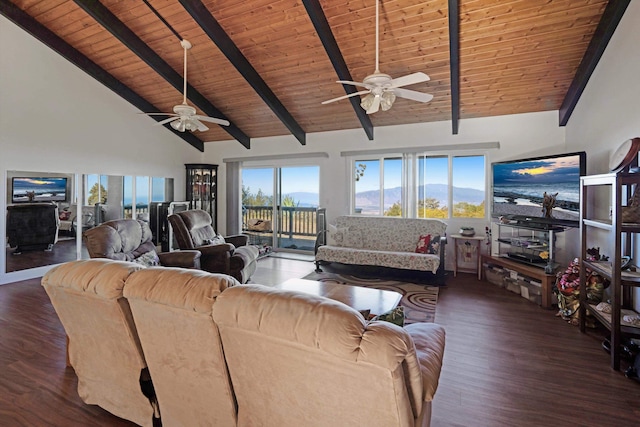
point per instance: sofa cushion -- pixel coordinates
(353, 239)
(403, 260)
(336, 236)
(389, 233)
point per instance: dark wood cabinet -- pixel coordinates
(202, 189)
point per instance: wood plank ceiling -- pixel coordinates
(515, 56)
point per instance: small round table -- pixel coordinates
(470, 246)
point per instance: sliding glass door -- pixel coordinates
(279, 206)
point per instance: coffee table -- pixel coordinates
(358, 297)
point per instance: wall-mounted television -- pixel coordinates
(519, 186)
(44, 189)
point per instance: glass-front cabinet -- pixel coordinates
(202, 189)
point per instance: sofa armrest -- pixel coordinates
(429, 340)
(237, 240)
(321, 240)
(209, 250)
(443, 250)
(184, 259)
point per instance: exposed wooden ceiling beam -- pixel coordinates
(43, 34)
(119, 30)
(217, 34)
(325, 34)
(454, 63)
(612, 15)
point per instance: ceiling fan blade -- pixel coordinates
(413, 95)
(220, 122)
(410, 79)
(165, 121)
(348, 82)
(159, 114)
(200, 125)
(375, 105)
(362, 92)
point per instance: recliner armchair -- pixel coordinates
(32, 226)
(297, 359)
(129, 239)
(193, 230)
(103, 346)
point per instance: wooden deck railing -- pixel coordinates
(293, 220)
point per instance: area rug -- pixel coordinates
(419, 301)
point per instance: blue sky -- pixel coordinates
(294, 179)
(306, 178)
(466, 172)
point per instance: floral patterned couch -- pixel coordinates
(412, 244)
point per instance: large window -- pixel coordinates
(420, 186)
(433, 187)
(373, 175)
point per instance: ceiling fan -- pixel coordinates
(184, 116)
(381, 89)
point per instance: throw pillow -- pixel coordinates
(395, 316)
(423, 244)
(217, 240)
(434, 246)
(336, 236)
(148, 259)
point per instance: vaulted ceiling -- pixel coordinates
(266, 65)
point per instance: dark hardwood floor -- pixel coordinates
(64, 250)
(507, 362)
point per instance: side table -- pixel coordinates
(469, 247)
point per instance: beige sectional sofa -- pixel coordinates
(226, 354)
(385, 242)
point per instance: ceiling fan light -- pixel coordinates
(178, 125)
(387, 99)
(367, 101)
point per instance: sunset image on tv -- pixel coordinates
(519, 186)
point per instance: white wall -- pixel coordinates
(56, 118)
(608, 112)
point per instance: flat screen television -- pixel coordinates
(519, 186)
(44, 189)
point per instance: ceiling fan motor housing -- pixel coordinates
(378, 79)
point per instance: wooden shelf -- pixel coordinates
(605, 319)
(627, 277)
(619, 240)
(546, 280)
